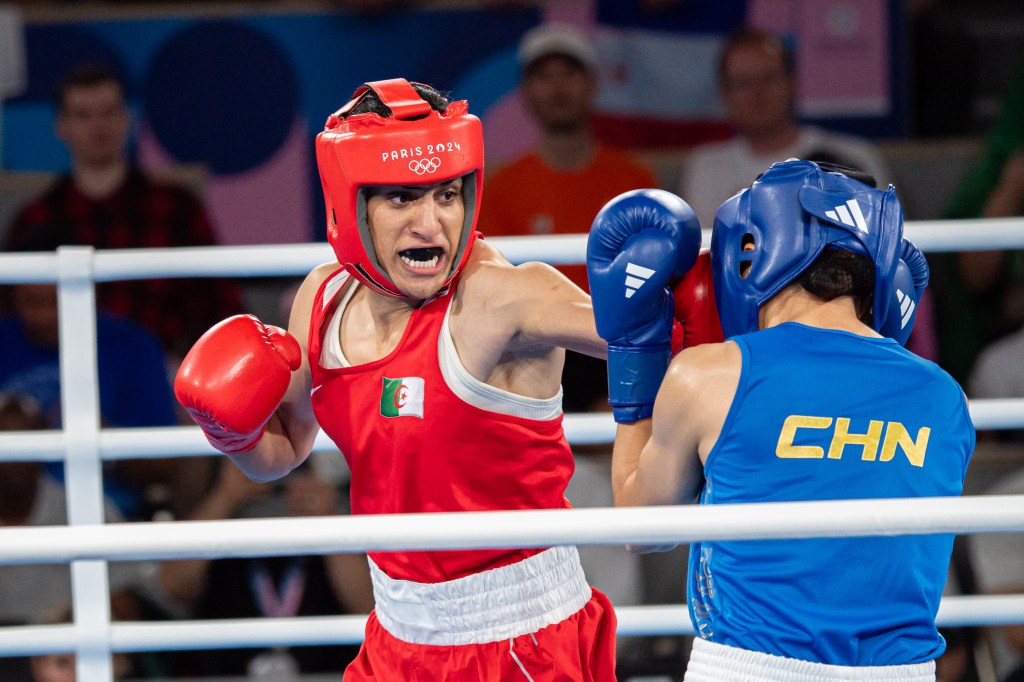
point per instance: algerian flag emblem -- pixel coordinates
(402, 397)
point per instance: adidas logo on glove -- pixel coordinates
(636, 275)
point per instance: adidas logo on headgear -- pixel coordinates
(852, 217)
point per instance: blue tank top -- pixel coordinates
(821, 415)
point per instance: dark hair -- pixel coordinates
(742, 37)
(839, 272)
(371, 104)
(830, 162)
(84, 76)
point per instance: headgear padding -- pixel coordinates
(789, 215)
(416, 145)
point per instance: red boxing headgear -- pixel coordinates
(417, 145)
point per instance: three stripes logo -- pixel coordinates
(636, 275)
(907, 307)
(851, 216)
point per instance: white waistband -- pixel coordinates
(713, 662)
(490, 606)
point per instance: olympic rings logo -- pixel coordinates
(422, 166)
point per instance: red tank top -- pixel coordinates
(414, 446)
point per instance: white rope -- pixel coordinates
(298, 259)
(28, 267)
(530, 528)
(179, 441)
(633, 621)
(932, 236)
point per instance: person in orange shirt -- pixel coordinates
(560, 187)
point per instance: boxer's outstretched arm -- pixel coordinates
(292, 429)
(554, 312)
(526, 309)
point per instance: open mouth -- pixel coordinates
(421, 258)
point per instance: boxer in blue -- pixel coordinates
(812, 397)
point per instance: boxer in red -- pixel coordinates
(434, 365)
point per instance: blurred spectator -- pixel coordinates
(757, 85)
(981, 315)
(999, 373)
(957, 662)
(274, 587)
(982, 292)
(999, 565)
(134, 391)
(13, 71)
(28, 498)
(61, 667)
(107, 203)
(560, 187)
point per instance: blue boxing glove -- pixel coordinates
(909, 282)
(638, 243)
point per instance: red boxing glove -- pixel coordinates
(695, 311)
(234, 378)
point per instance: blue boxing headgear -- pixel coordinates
(789, 215)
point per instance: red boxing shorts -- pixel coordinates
(534, 620)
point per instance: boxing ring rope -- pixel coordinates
(87, 544)
(292, 536)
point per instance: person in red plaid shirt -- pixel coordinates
(107, 203)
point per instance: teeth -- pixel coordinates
(422, 264)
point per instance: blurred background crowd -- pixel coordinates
(143, 125)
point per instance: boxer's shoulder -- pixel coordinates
(304, 297)
(318, 275)
(491, 284)
(698, 390)
(709, 362)
(487, 278)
